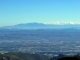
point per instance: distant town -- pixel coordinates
(48, 42)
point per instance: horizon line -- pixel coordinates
(52, 23)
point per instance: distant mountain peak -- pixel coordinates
(31, 24)
(35, 23)
(43, 26)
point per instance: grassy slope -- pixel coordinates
(22, 56)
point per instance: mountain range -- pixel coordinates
(42, 26)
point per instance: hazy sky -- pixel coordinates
(25, 11)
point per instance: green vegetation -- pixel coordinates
(26, 56)
(22, 56)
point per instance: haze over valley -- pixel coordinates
(47, 41)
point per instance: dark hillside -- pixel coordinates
(70, 58)
(65, 57)
(22, 56)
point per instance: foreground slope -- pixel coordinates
(70, 58)
(22, 56)
(65, 57)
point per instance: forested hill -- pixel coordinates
(66, 57)
(26, 56)
(22, 56)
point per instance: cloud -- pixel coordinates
(62, 23)
(72, 23)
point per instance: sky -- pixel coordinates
(42, 11)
